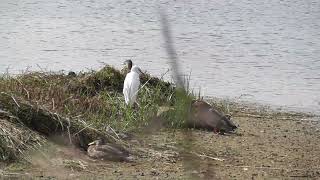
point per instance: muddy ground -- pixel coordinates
(280, 146)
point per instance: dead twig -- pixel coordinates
(206, 156)
(113, 131)
(15, 101)
(22, 85)
(53, 107)
(87, 126)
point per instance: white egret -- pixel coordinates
(131, 85)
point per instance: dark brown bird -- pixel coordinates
(104, 151)
(204, 116)
(129, 64)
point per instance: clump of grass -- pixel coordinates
(108, 78)
(158, 89)
(223, 106)
(153, 94)
(179, 114)
(15, 138)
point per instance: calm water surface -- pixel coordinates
(261, 51)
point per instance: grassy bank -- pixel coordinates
(36, 106)
(93, 97)
(83, 106)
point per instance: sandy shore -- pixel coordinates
(279, 146)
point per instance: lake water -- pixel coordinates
(261, 51)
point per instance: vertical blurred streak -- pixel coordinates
(172, 54)
(190, 162)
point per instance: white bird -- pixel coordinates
(131, 85)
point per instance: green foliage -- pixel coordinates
(107, 78)
(177, 116)
(90, 84)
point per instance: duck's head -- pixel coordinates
(229, 125)
(128, 63)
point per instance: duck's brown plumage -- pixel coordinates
(105, 151)
(203, 115)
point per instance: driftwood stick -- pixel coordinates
(206, 156)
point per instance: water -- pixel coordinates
(267, 52)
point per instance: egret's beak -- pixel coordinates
(141, 73)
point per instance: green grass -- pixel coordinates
(95, 96)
